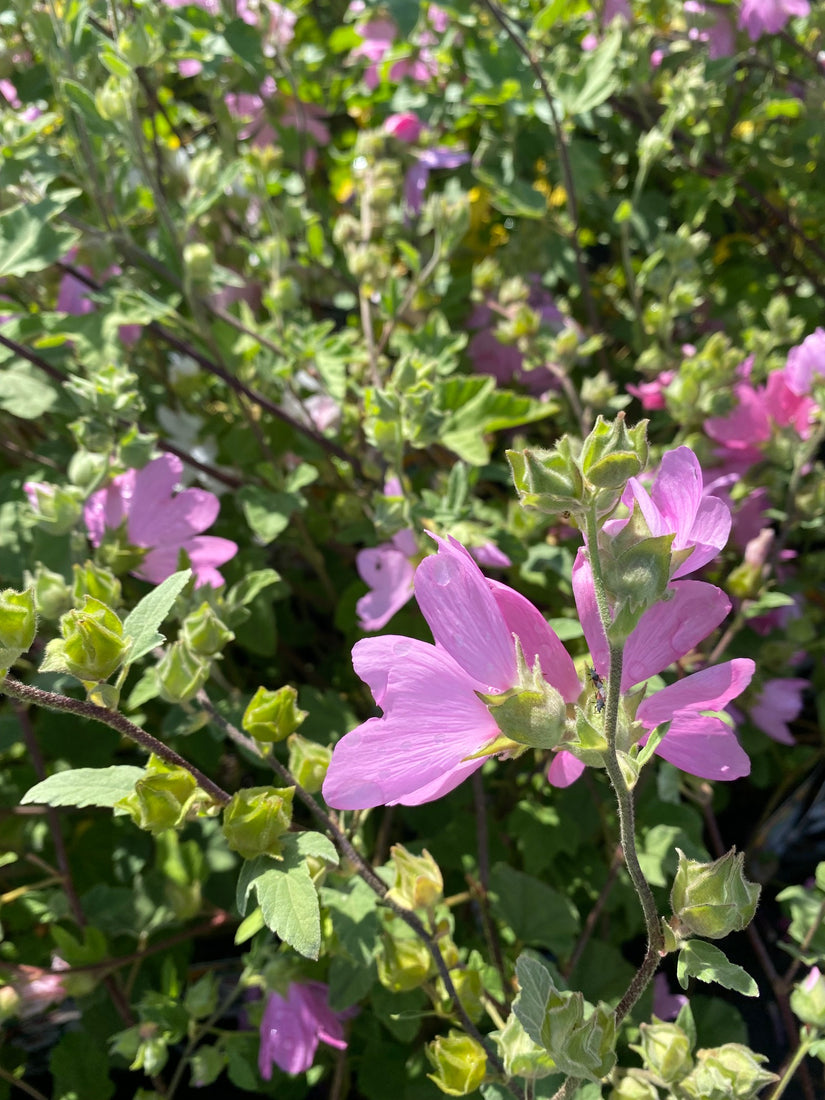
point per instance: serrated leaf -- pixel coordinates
(142, 622)
(535, 986)
(85, 786)
(309, 844)
(28, 241)
(23, 394)
(701, 960)
(287, 899)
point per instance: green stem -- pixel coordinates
(624, 797)
(111, 718)
(805, 1043)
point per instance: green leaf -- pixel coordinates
(84, 103)
(287, 899)
(538, 914)
(28, 241)
(310, 844)
(80, 1069)
(701, 960)
(24, 394)
(595, 79)
(268, 512)
(474, 406)
(536, 987)
(85, 786)
(141, 624)
(405, 16)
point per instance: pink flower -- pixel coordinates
(433, 719)
(651, 394)
(714, 27)
(388, 570)
(757, 411)
(293, 1026)
(760, 17)
(161, 521)
(804, 362)
(677, 505)
(378, 37)
(406, 127)
(697, 743)
(37, 989)
(778, 703)
(278, 23)
(504, 361)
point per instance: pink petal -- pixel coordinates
(564, 770)
(389, 573)
(205, 552)
(672, 628)
(704, 746)
(779, 702)
(710, 689)
(432, 721)
(107, 508)
(170, 520)
(585, 596)
(538, 639)
(463, 616)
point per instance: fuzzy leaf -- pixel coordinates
(85, 786)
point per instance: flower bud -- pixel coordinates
(114, 99)
(459, 1063)
(550, 481)
(198, 262)
(633, 1087)
(161, 799)
(255, 818)
(533, 713)
(18, 625)
(308, 762)
(181, 674)
(730, 1071)
(612, 453)
(404, 961)
(95, 581)
(808, 1000)
(204, 633)
(52, 597)
(665, 1050)
(56, 509)
(418, 883)
(273, 715)
(713, 899)
(93, 644)
(520, 1055)
(469, 987)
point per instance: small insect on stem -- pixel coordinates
(598, 684)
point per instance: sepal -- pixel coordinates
(273, 715)
(460, 1063)
(713, 899)
(256, 818)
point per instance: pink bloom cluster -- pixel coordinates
(252, 110)
(380, 35)
(407, 127)
(695, 742)
(293, 1026)
(433, 718)
(161, 521)
(759, 17)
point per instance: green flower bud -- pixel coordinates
(808, 1000)
(550, 481)
(114, 100)
(729, 1072)
(633, 1087)
(308, 761)
(182, 864)
(198, 262)
(204, 633)
(52, 597)
(665, 1050)
(93, 644)
(520, 1055)
(404, 962)
(533, 713)
(418, 883)
(56, 509)
(713, 899)
(273, 715)
(181, 674)
(87, 469)
(469, 986)
(18, 625)
(9, 1002)
(95, 581)
(139, 45)
(460, 1063)
(612, 453)
(161, 799)
(255, 818)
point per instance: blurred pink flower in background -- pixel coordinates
(293, 1026)
(379, 36)
(805, 361)
(713, 26)
(388, 569)
(74, 296)
(433, 719)
(161, 521)
(277, 23)
(666, 1005)
(778, 703)
(407, 127)
(651, 393)
(759, 17)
